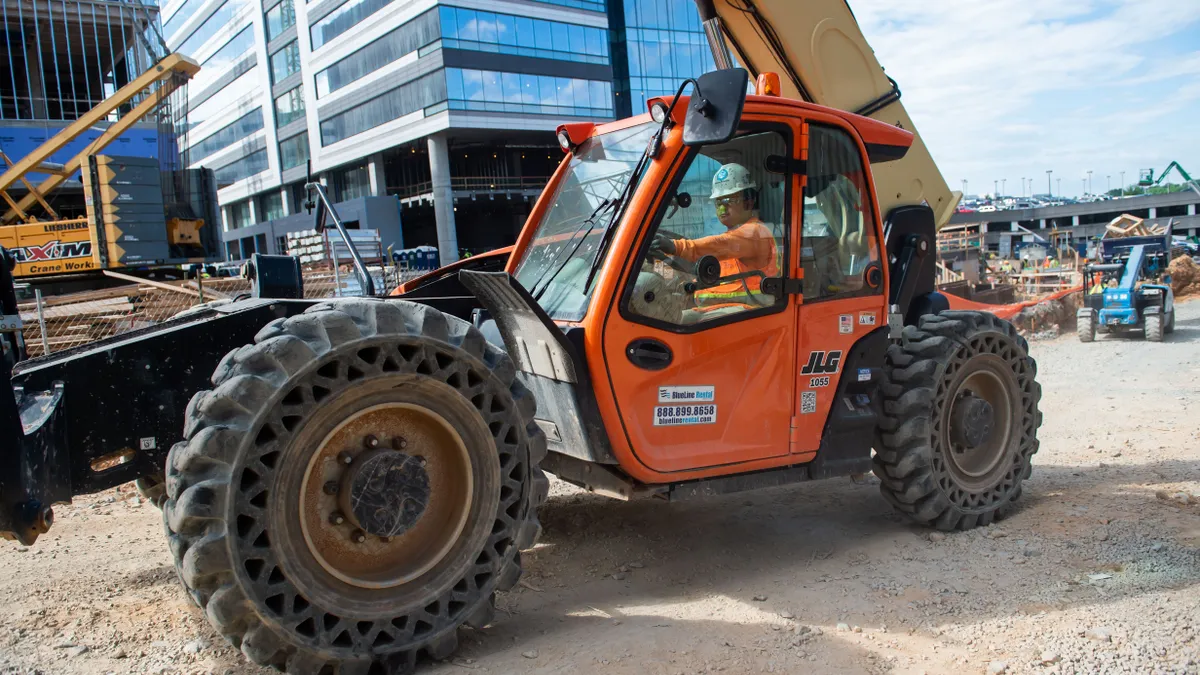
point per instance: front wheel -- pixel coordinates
(1085, 324)
(1153, 327)
(959, 429)
(355, 488)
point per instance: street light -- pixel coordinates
(1122, 183)
(964, 187)
(1107, 184)
(1002, 182)
(995, 189)
(1089, 181)
(1048, 189)
(1022, 186)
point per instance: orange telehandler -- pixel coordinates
(726, 292)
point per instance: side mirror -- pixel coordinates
(716, 107)
(708, 270)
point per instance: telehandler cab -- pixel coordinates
(717, 295)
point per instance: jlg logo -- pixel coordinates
(822, 363)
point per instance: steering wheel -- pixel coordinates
(672, 261)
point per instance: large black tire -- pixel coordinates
(236, 524)
(1085, 325)
(924, 472)
(1153, 326)
(1170, 327)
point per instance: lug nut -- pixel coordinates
(421, 460)
(331, 487)
(399, 443)
(336, 518)
(371, 442)
(345, 457)
(358, 536)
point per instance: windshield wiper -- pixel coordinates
(604, 205)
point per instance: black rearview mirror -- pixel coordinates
(716, 107)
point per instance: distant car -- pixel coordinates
(964, 209)
(989, 208)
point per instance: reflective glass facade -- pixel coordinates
(216, 21)
(285, 62)
(289, 107)
(396, 103)
(180, 16)
(491, 91)
(343, 19)
(405, 39)
(594, 5)
(505, 34)
(662, 43)
(280, 18)
(251, 164)
(293, 151)
(215, 65)
(228, 135)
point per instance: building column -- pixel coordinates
(1153, 212)
(255, 216)
(37, 85)
(375, 175)
(1191, 209)
(443, 198)
(286, 193)
(1074, 221)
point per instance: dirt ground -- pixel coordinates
(1099, 571)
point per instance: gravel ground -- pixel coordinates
(1097, 573)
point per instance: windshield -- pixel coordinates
(556, 264)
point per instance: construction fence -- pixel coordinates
(56, 323)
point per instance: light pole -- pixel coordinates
(995, 189)
(964, 187)
(1048, 188)
(1089, 181)
(1122, 183)
(1107, 184)
(1022, 186)
(1002, 182)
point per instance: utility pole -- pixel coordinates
(1048, 188)
(1089, 181)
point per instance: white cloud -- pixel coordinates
(1011, 88)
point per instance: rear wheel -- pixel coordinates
(1153, 327)
(960, 420)
(355, 488)
(1085, 325)
(1170, 327)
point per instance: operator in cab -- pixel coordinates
(745, 246)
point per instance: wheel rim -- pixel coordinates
(974, 465)
(386, 495)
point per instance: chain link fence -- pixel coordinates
(57, 323)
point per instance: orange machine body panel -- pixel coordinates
(753, 368)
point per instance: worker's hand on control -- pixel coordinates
(663, 244)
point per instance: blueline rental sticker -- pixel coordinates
(702, 394)
(695, 406)
(679, 415)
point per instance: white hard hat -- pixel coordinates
(731, 179)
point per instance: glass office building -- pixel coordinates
(419, 103)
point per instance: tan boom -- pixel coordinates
(821, 56)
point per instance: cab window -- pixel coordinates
(729, 212)
(838, 239)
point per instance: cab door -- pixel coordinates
(701, 382)
(843, 289)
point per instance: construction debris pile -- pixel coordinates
(1185, 276)
(1048, 319)
(1126, 225)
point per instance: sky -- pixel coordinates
(1005, 89)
